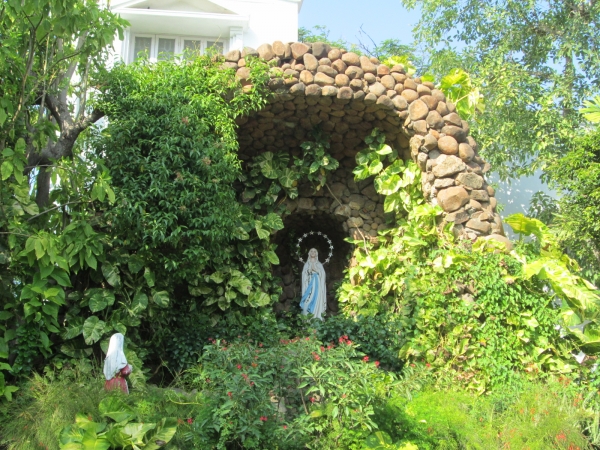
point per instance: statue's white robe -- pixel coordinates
(314, 291)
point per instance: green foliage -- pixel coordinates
(576, 176)
(474, 312)
(86, 434)
(269, 175)
(44, 45)
(592, 110)
(526, 414)
(47, 407)
(534, 63)
(171, 149)
(580, 299)
(380, 336)
(460, 90)
(297, 393)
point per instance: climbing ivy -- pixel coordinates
(475, 312)
(271, 176)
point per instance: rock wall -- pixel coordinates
(357, 206)
(347, 95)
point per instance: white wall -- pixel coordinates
(253, 22)
(270, 20)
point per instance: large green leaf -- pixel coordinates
(93, 328)
(139, 302)
(162, 434)
(111, 274)
(262, 233)
(135, 264)
(272, 257)
(137, 431)
(115, 408)
(100, 299)
(592, 110)
(273, 221)
(288, 178)
(161, 298)
(241, 283)
(388, 183)
(258, 298)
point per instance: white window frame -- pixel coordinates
(179, 42)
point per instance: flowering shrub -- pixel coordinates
(299, 393)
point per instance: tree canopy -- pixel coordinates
(535, 63)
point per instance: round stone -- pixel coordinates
(417, 110)
(409, 95)
(430, 101)
(342, 80)
(452, 198)
(310, 62)
(354, 72)
(351, 59)
(334, 54)
(434, 119)
(378, 89)
(448, 145)
(388, 81)
(465, 151)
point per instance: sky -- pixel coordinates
(380, 19)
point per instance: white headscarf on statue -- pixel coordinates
(314, 295)
(115, 357)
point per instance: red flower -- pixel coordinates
(285, 427)
(312, 399)
(317, 357)
(561, 437)
(263, 418)
(260, 345)
(376, 363)
(322, 348)
(366, 359)
(239, 366)
(428, 365)
(229, 393)
(190, 420)
(349, 342)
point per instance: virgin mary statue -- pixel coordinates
(313, 286)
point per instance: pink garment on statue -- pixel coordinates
(119, 381)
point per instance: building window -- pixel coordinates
(160, 48)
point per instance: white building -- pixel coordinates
(166, 27)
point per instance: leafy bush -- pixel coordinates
(299, 393)
(534, 415)
(379, 336)
(74, 399)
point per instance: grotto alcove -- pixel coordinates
(346, 96)
(302, 231)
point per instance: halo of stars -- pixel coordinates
(318, 233)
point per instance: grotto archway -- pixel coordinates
(346, 96)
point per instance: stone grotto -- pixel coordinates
(347, 96)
